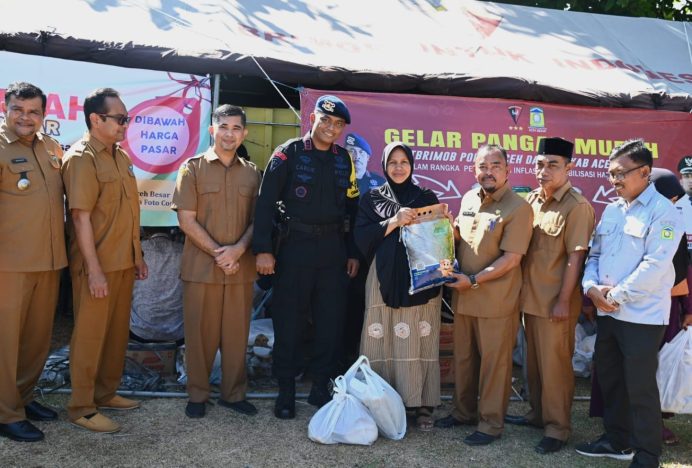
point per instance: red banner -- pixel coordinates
(445, 133)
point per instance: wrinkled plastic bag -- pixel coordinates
(261, 333)
(383, 402)
(429, 242)
(343, 420)
(584, 346)
(56, 371)
(674, 375)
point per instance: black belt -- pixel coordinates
(316, 229)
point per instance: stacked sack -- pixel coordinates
(364, 405)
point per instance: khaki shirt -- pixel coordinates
(32, 221)
(101, 180)
(562, 224)
(224, 201)
(500, 222)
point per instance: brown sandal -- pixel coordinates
(424, 420)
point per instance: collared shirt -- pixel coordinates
(223, 199)
(32, 223)
(490, 226)
(562, 224)
(632, 252)
(684, 206)
(101, 180)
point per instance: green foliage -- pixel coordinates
(678, 10)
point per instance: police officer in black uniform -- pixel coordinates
(315, 179)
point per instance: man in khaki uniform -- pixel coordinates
(105, 258)
(494, 230)
(551, 296)
(215, 199)
(32, 253)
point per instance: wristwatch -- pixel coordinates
(474, 283)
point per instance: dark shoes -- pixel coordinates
(549, 445)
(21, 431)
(480, 438)
(516, 420)
(195, 410)
(319, 393)
(243, 406)
(450, 421)
(520, 421)
(37, 412)
(285, 406)
(602, 447)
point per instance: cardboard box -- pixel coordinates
(159, 357)
(446, 338)
(447, 371)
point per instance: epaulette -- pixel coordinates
(77, 148)
(577, 196)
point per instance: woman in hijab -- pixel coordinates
(401, 332)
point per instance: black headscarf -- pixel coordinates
(668, 185)
(391, 262)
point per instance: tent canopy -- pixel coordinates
(460, 47)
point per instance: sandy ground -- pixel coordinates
(159, 434)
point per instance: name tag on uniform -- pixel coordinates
(468, 213)
(19, 160)
(634, 227)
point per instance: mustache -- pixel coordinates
(489, 177)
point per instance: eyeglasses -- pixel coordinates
(623, 174)
(120, 119)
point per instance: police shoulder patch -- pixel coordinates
(277, 159)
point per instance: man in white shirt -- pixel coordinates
(628, 276)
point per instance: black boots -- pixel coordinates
(319, 393)
(285, 406)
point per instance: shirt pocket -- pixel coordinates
(110, 188)
(130, 183)
(634, 234)
(607, 234)
(549, 233)
(19, 171)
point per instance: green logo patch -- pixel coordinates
(667, 233)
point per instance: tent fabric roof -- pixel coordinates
(450, 47)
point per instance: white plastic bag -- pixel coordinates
(384, 403)
(343, 420)
(583, 352)
(674, 374)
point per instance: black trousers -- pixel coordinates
(626, 358)
(355, 315)
(310, 281)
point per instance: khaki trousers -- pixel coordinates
(99, 341)
(483, 368)
(550, 375)
(27, 308)
(217, 316)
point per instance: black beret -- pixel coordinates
(332, 105)
(556, 146)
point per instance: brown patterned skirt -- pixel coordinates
(403, 345)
